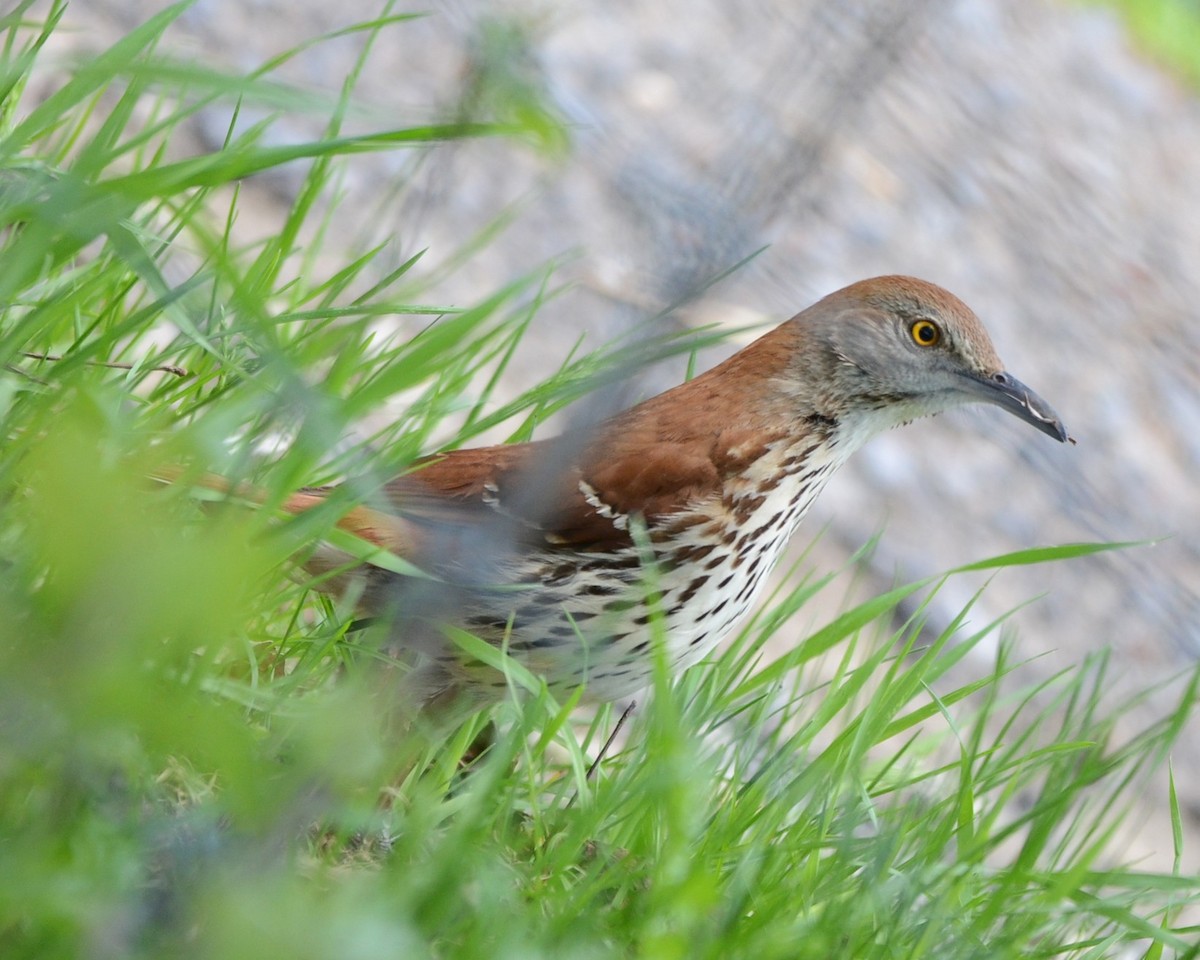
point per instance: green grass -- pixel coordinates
(1168, 31)
(195, 759)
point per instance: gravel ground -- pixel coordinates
(1019, 153)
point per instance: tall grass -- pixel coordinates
(194, 754)
(1168, 31)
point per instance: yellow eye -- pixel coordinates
(925, 333)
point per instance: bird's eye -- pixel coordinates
(925, 333)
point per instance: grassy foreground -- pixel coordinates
(192, 750)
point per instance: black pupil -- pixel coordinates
(925, 332)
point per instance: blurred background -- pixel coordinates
(1029, 155)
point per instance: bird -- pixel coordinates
(576, 554)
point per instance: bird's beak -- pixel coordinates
(1005, 390)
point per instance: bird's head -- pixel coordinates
(892, 349)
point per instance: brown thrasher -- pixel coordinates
(562, 551)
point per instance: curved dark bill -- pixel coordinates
(1005, 390)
